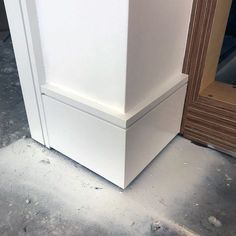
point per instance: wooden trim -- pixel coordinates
(206, 120)
(221, 92)
(191, 35)
(194, 51)
(217, 33)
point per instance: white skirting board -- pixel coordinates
(117, 154)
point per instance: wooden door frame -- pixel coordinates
(206, 121)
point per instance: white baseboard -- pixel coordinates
(110, 114)
(104, 146)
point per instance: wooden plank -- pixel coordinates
(209, 118)
(220, 92)
(191, 36)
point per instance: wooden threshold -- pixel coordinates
(221, 92)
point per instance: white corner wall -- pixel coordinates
(84, 45)
(156, 46)
(107, 78)
(116, 54)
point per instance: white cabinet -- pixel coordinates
(108, 78)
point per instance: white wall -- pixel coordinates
(84, 45)
(157, 41)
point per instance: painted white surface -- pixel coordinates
(84, 44)
(35, 54)
(90, 141)
(149, 135)
(113, 53)
(116, 154)
(20, 43)
(97, 110)
(156, 45)
(123, 120)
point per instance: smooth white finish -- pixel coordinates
(102, 79)
(149, 135)
(123, 120)
(84, 44)
(24, 66)
(158, 32)
(90, 141)
(34, 48)
(115, 54)
(117, 154)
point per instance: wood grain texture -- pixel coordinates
(218, 28)
(206, 120)
(193, 27)
(221, 92)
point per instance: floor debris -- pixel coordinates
(65, 200)
(215, 222)
(46, 161)
(28, 201)
(156, 226)
(228, 178)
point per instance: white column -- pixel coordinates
(111, 79)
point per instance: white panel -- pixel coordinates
(116, 154)
(84, 57)
(90, 141)
(156, 45)
(18, 35)
(35, 55)
(148, 136)
(84, 45)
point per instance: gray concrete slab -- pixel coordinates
(45, 193)
(13, 120)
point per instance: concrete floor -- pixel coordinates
(13, 120)
(186, 190)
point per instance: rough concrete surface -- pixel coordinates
(45, 193)
(13, 120)
(186, 190)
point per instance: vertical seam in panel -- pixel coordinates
(125, 158)
(127, 52)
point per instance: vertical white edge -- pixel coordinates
(126, 59)
(29, 14)
(20, 44)
(146, 138)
